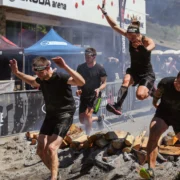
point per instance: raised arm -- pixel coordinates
(149, 43)
(76, 78)
(157, 95)
(113, 24)
(24, 77)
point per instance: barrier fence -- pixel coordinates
(23, 111)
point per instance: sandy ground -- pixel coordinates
(18, 160)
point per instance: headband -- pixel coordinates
(133, 30)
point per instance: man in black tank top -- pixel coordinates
(95, 77)
(140, 71)
(167, 114)
(60, 105)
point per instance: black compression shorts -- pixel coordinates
(170, 118)
(86, 102)
(58, 124)
(147, 79)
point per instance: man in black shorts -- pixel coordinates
(60, 105)
(167, 114)
(95, 77)
(140, 71)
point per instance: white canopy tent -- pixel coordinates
(157, 52)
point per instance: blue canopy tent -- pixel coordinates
(52, 45)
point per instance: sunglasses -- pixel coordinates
(39, 68)
(90, 54)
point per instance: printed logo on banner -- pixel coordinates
(54, 4)
(1, 119)
(52, 43)
(76, 102)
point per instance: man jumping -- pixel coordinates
(140, 72)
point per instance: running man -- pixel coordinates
(60, 105)
(140, 72)
(167, 114)
(95, 77)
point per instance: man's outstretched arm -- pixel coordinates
(24, 77)
(76, 78)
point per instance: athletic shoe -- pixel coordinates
(114, 109)
(147, 173)
(100, 122)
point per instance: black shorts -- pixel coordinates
(146, 79)
(58, 124)
(170, 118)
(86, 102)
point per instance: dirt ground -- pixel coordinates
(19, 162)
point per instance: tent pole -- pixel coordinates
(23, 70)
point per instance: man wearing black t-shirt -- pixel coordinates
(167, 114)
(140, 72)
(60, 105)
(95, 77)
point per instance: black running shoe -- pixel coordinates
(100, 122)
(114, 109)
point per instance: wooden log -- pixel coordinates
(127, 149)
(35, 136)
(70, 137)
(101, 142)
(75, 144)
(74, 129)
(64, 144)
(171, 134)
(31, 134)
(111, 150)
(170, 140)
(33, 141)
(141, 155)
(138, 141)
(111, 135)
(80, 139)
(169, 150)
(117, 143)
(95, 137)
(144, 143)
(129, 140)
